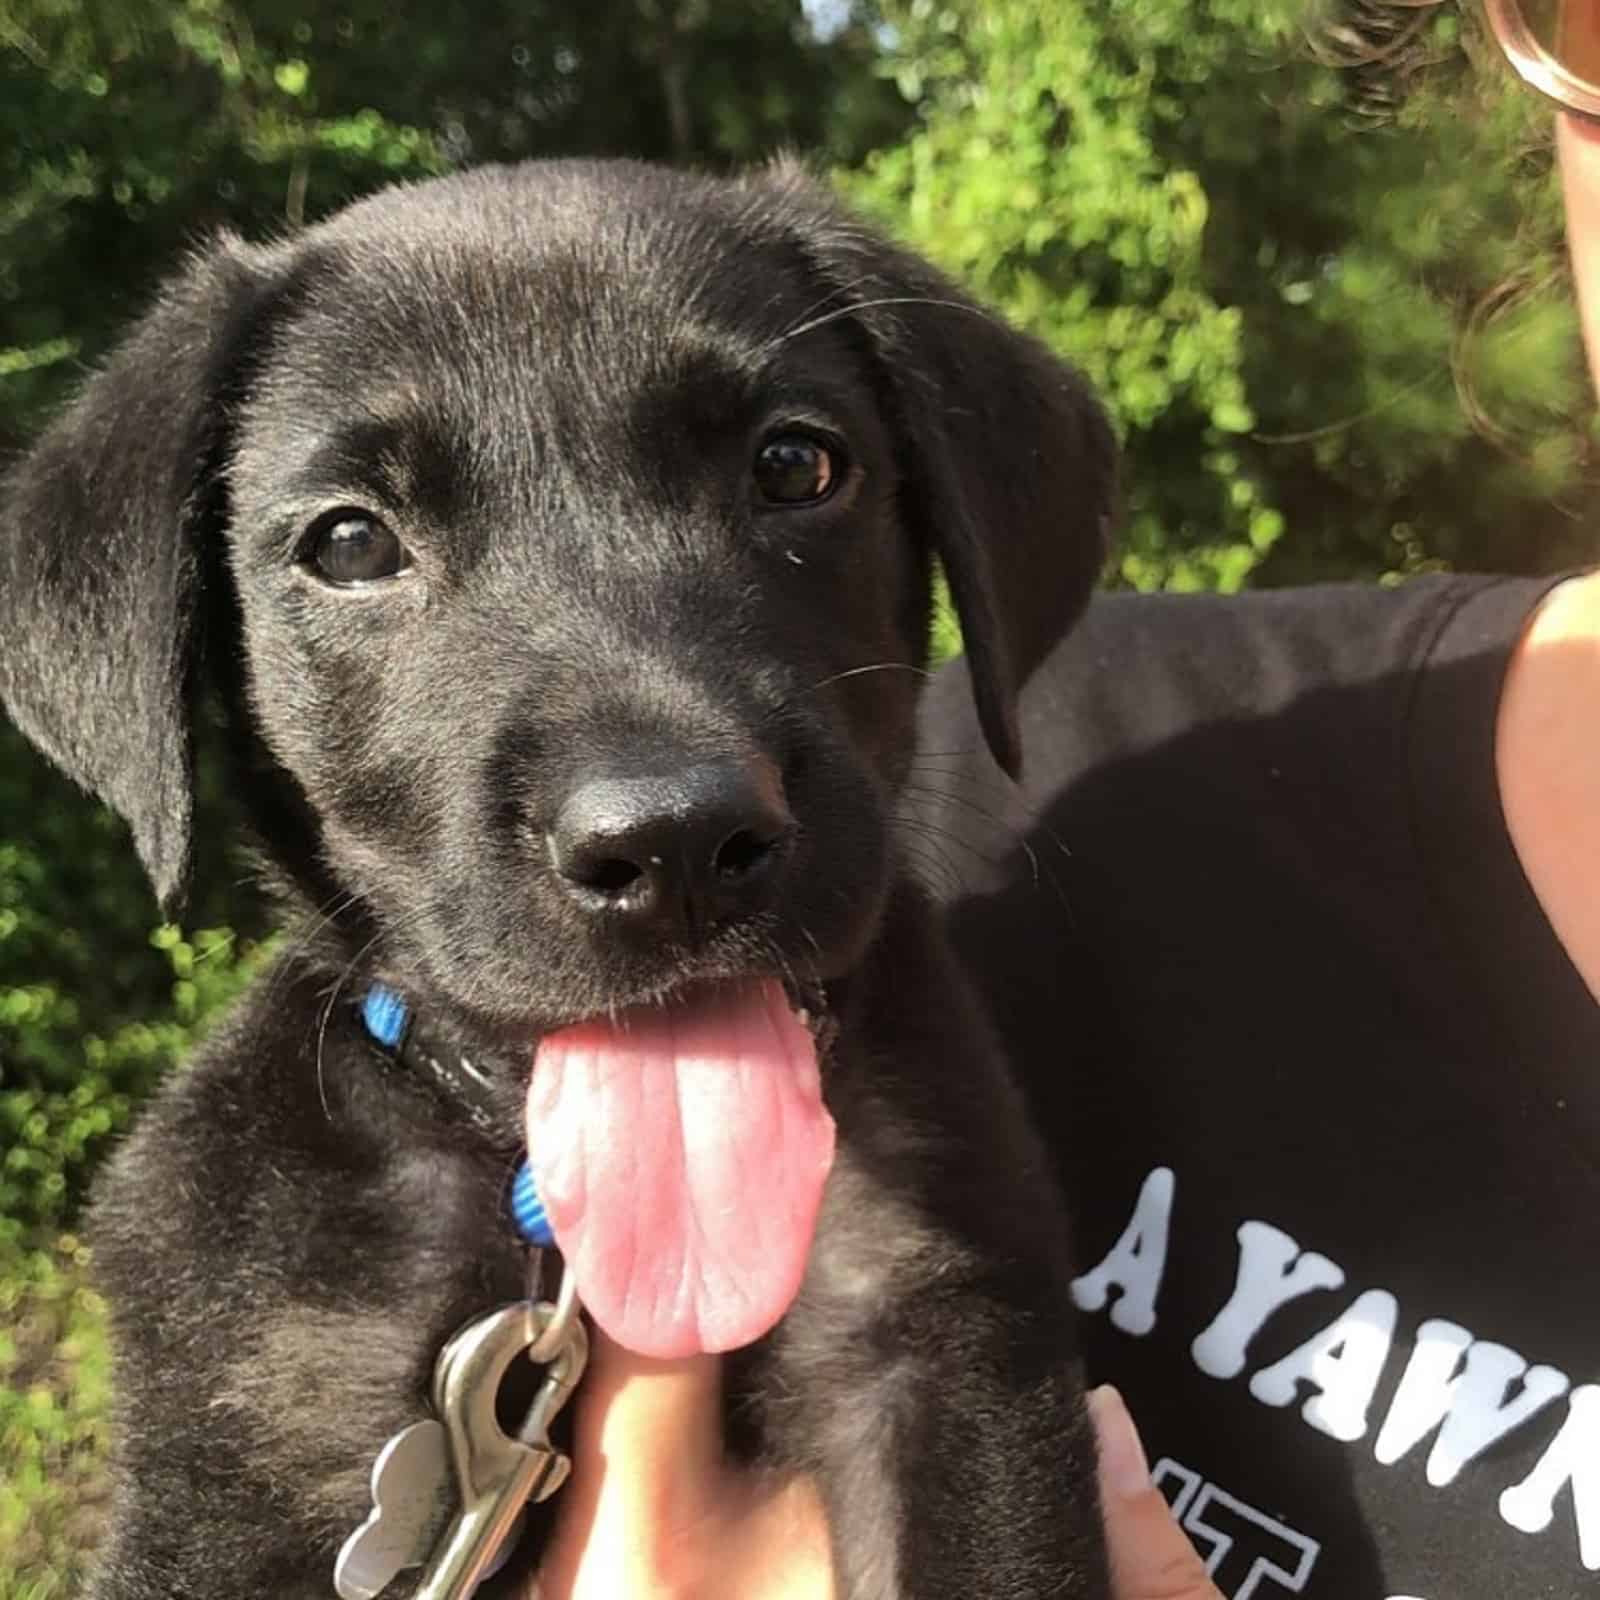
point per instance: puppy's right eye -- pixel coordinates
(350, 547)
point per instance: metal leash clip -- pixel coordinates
(448, 1493)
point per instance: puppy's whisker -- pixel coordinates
(917, 819)
(931, 844)
(302, 936)
(931, 759)
(920, 827)
(929, 865)
(876, 666)
(950, 797)
(810, 966)
(774, 953)
(872, 305)
(332, 999)
(324, 916)
(838, 290)
(1015, 836)
(211, 952)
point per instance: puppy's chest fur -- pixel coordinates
(558, 543)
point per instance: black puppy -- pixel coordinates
(557, 543)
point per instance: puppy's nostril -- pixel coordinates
(742, 853)
(610, 875)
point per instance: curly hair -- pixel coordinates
(1384, 44)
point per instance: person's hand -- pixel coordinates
(653, 1511)
(1151, 1557)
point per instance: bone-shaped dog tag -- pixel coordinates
(447, 1495)
(413, 1498)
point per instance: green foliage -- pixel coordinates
(1034, 177)
(129, 129)
(93, 1006)
(1336, 344)
(54, 1372)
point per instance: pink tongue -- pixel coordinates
(681, 1154)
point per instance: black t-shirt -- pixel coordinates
(1325, 1086)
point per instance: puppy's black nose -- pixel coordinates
(677, 850)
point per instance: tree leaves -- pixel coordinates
(1329, 310)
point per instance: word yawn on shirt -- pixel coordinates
(1454, 1386)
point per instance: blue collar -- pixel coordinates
(439, 1062)
(465, 1089)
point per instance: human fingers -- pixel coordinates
(654, 1512)
(647, 1456)
(1151, 1557)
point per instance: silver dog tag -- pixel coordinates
(413, 1496)
(447, 1495)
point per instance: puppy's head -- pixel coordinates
(562, 535)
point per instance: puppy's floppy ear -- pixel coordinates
(100, 560)
(1007, 463)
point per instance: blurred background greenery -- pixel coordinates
(1309, 253)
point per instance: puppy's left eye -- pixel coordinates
(793, 469)
(351, 547)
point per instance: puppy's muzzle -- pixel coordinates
(675, 853)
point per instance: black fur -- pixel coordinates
(551, 381)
